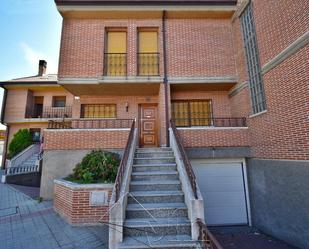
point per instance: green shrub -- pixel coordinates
(96, 167)
(21, 140)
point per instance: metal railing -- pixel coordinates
(215, 122)
(91, 124)
(22, 169)
(148, 64)
(115, 64)
(123, 163)
(207, 240)
(185, 159)
(50, 112)
(59, 125)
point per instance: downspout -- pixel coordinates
(165, 81)
(7, 128)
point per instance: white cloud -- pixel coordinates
(33, 56)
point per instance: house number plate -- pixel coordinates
(98, 198)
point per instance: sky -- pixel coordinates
(29, 31)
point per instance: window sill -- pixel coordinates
(257, 114)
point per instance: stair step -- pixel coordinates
(155, 175)
(154, 160)
(155, 185)
(155, 149)
(170, 242)
(155, 197)
(154, 167)
(145, 154)
(156, 210)
(157, 226)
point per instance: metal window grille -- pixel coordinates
(191, 113)
(98, 111)
(258, 100)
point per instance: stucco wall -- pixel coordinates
(58, 164)
(279, 199)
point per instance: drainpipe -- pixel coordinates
(7, 129)
(165, 81)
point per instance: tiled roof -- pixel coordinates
(48, 78)
(146, 2)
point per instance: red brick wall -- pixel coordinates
(215, 137)
(282, 132)
(200, 47)
(85, 139)
(73, 205)
(82, 45)
(196, 47)
(278, 24)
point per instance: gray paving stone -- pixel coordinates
(37, 226)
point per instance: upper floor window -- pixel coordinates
(256, 85)
(115, 59)
(59, 101)
(148, 56)
(192, 112)
(98, 111)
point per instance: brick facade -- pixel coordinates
(281, 132)
(85, 139)
(72, 201)
(215, 137)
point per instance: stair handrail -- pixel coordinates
(206, 238)
(185, 159)
(22, 170)
(23, 155)
(123, 163)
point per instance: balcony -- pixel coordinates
(148, 64)
(49, 112)
(87, 134)
(213, 132)
(115, 64)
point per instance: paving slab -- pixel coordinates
(26, 223)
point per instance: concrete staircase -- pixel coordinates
(31, 161)
(156, 215)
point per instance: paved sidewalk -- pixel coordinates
(25, 223)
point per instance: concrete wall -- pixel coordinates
(279, 193)
(28, 179)
(59, 164)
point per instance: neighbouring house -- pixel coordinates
(226, 80)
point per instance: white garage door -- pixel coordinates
(223, 191)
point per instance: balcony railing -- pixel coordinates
(91, 124)
(115, 64)
(50, 112)
(214, 122)
(148, 64)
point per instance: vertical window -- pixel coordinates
(257, 93)
(59, 101)
(148, 56)
(116, 54)
(98, 111)
(191, 112)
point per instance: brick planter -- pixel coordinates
(82, 204)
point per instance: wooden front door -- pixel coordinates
(148, 125)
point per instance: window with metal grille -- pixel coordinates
(191, 112)
(115, 56)
(98, 111)
(257, 93)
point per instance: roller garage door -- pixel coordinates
(223, 190)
